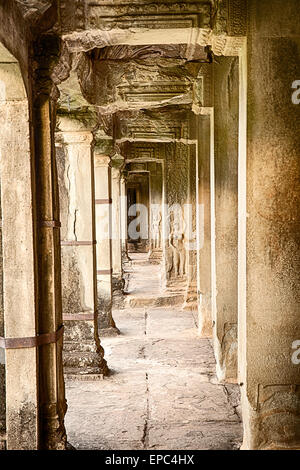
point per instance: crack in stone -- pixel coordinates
(146, 319)
(75, 222)
(145, 437)
(142, 353)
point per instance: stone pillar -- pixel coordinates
(155, 182)
(269, 327)
(103, 201)
(226, 109)
(117, 276)
(83, 354)
(204, 253)
(19, 269)
(176, 194)
(52, 403)
(191, 299)
(33, 330)
(124, 216)
(165, 228)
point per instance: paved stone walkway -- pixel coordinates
(162, 393)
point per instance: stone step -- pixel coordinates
(162, 301)
(72, 373)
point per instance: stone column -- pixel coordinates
(18, 237)
(83, 354)
(156, 187)
(117, 276)
(33, 330)
(204, 253)
(52, 403)
(191, 299)
(226, 109)
(165, 227)
(124, 216)
(269, 327)
(103, 201)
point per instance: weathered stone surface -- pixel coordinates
(269, 310)
(79, 299)
(158, 83)
(225, 315)
(144, 281)
(102, 177)
(163, 393)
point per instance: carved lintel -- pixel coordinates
(229, 46)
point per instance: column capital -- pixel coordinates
(74, 137)
(76, 122)
(124, 175)
(117, 162)
(102, 160)
(103, 144)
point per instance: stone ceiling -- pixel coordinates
(140, 67)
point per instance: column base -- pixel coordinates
(205, 326)
(117, 282)
(109, 332)
(226, 354)
(118, 285)
(54, 435)
(84, 363)
(191, 301)
(82, 355)
(106, 323)
(125, 257)
(274, 424)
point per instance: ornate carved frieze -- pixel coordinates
(159, 15)
(162, 125)
(142, 52)
(166, 134)
(155, 92)
(143, 151)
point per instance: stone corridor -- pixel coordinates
(165, 131)
(162, 392)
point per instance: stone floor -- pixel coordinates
(162, 393)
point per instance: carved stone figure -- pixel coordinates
(156, 229)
